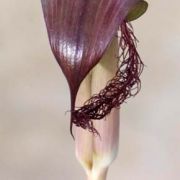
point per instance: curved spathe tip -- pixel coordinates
(79, 32)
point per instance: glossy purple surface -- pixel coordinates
(79, 32)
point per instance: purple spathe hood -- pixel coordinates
(79, 32)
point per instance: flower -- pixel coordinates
(79, 33)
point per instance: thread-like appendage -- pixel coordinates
(125, 84)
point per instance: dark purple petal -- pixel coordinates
(79, 32)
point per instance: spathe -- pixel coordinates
(79, 32)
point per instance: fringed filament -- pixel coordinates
(125, 84)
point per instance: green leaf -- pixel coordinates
(138, 10)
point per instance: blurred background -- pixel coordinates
(35, 142)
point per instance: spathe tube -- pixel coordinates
(79, 32)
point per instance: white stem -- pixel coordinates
(100, 175)
(96, 154)
(106, 147)
(83, 138)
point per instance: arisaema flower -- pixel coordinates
(83, 35)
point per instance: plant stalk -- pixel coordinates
(95, 153)
(100, 175)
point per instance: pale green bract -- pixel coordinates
(138, 10)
